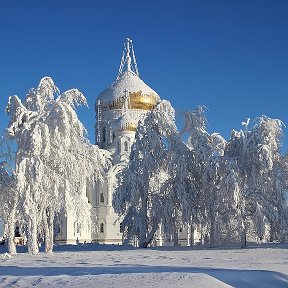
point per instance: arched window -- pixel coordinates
(104, 134)
(126, 146)
(118, 147)
(17, 231)
(102, 198)
(77, 228)
(102, 228)
(58, 228)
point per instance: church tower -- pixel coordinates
(120, 106)
(118, 110)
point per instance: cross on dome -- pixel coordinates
(128, 60)
(125, 106)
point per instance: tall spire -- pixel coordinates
(128, 63)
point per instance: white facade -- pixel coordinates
(72, 231)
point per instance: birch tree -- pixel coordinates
(54, 159)
(206, 174)
(8, 192)
(256, 154)
(139, 198)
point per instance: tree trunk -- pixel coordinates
(243, 235)
(144, 224)
(192, 235)
(32, 235)
(144, 243)
(176, 238)
(212, 230)
(201, 234)
(272, 233)
(49, 230)
(10, 235)
(10, 232)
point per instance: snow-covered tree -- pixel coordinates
(255, 154)
(217, 184)
(177, 189)
(8, 192)
(54, 160)
(281, 198)
(205, 203)
(140, 198)
(8, 200)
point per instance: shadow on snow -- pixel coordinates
(109, 247)
(233, 277)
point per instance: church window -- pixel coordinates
(58, 228)
(77, 228)
(104, 134)
(102, 228)
(126, 146)
(17, 231)
(118, 147)
(102, 198)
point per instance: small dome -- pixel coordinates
(125, 123)
(141, 96)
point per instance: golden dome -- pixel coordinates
(125, 123)
(139, 101)
(128, 83)
(141, 96)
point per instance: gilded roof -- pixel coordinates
(141, 96)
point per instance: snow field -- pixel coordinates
(117, 266)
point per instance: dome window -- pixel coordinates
(126, 146)
(104, 134)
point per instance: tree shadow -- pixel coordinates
(233, 277)
(111, 247)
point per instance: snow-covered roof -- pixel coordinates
(125, 123)
(127, 81)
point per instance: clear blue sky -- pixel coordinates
(231, 56)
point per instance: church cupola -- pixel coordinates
(120, 106)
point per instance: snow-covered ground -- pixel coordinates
(117, 266)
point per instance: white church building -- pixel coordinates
(118, 110)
